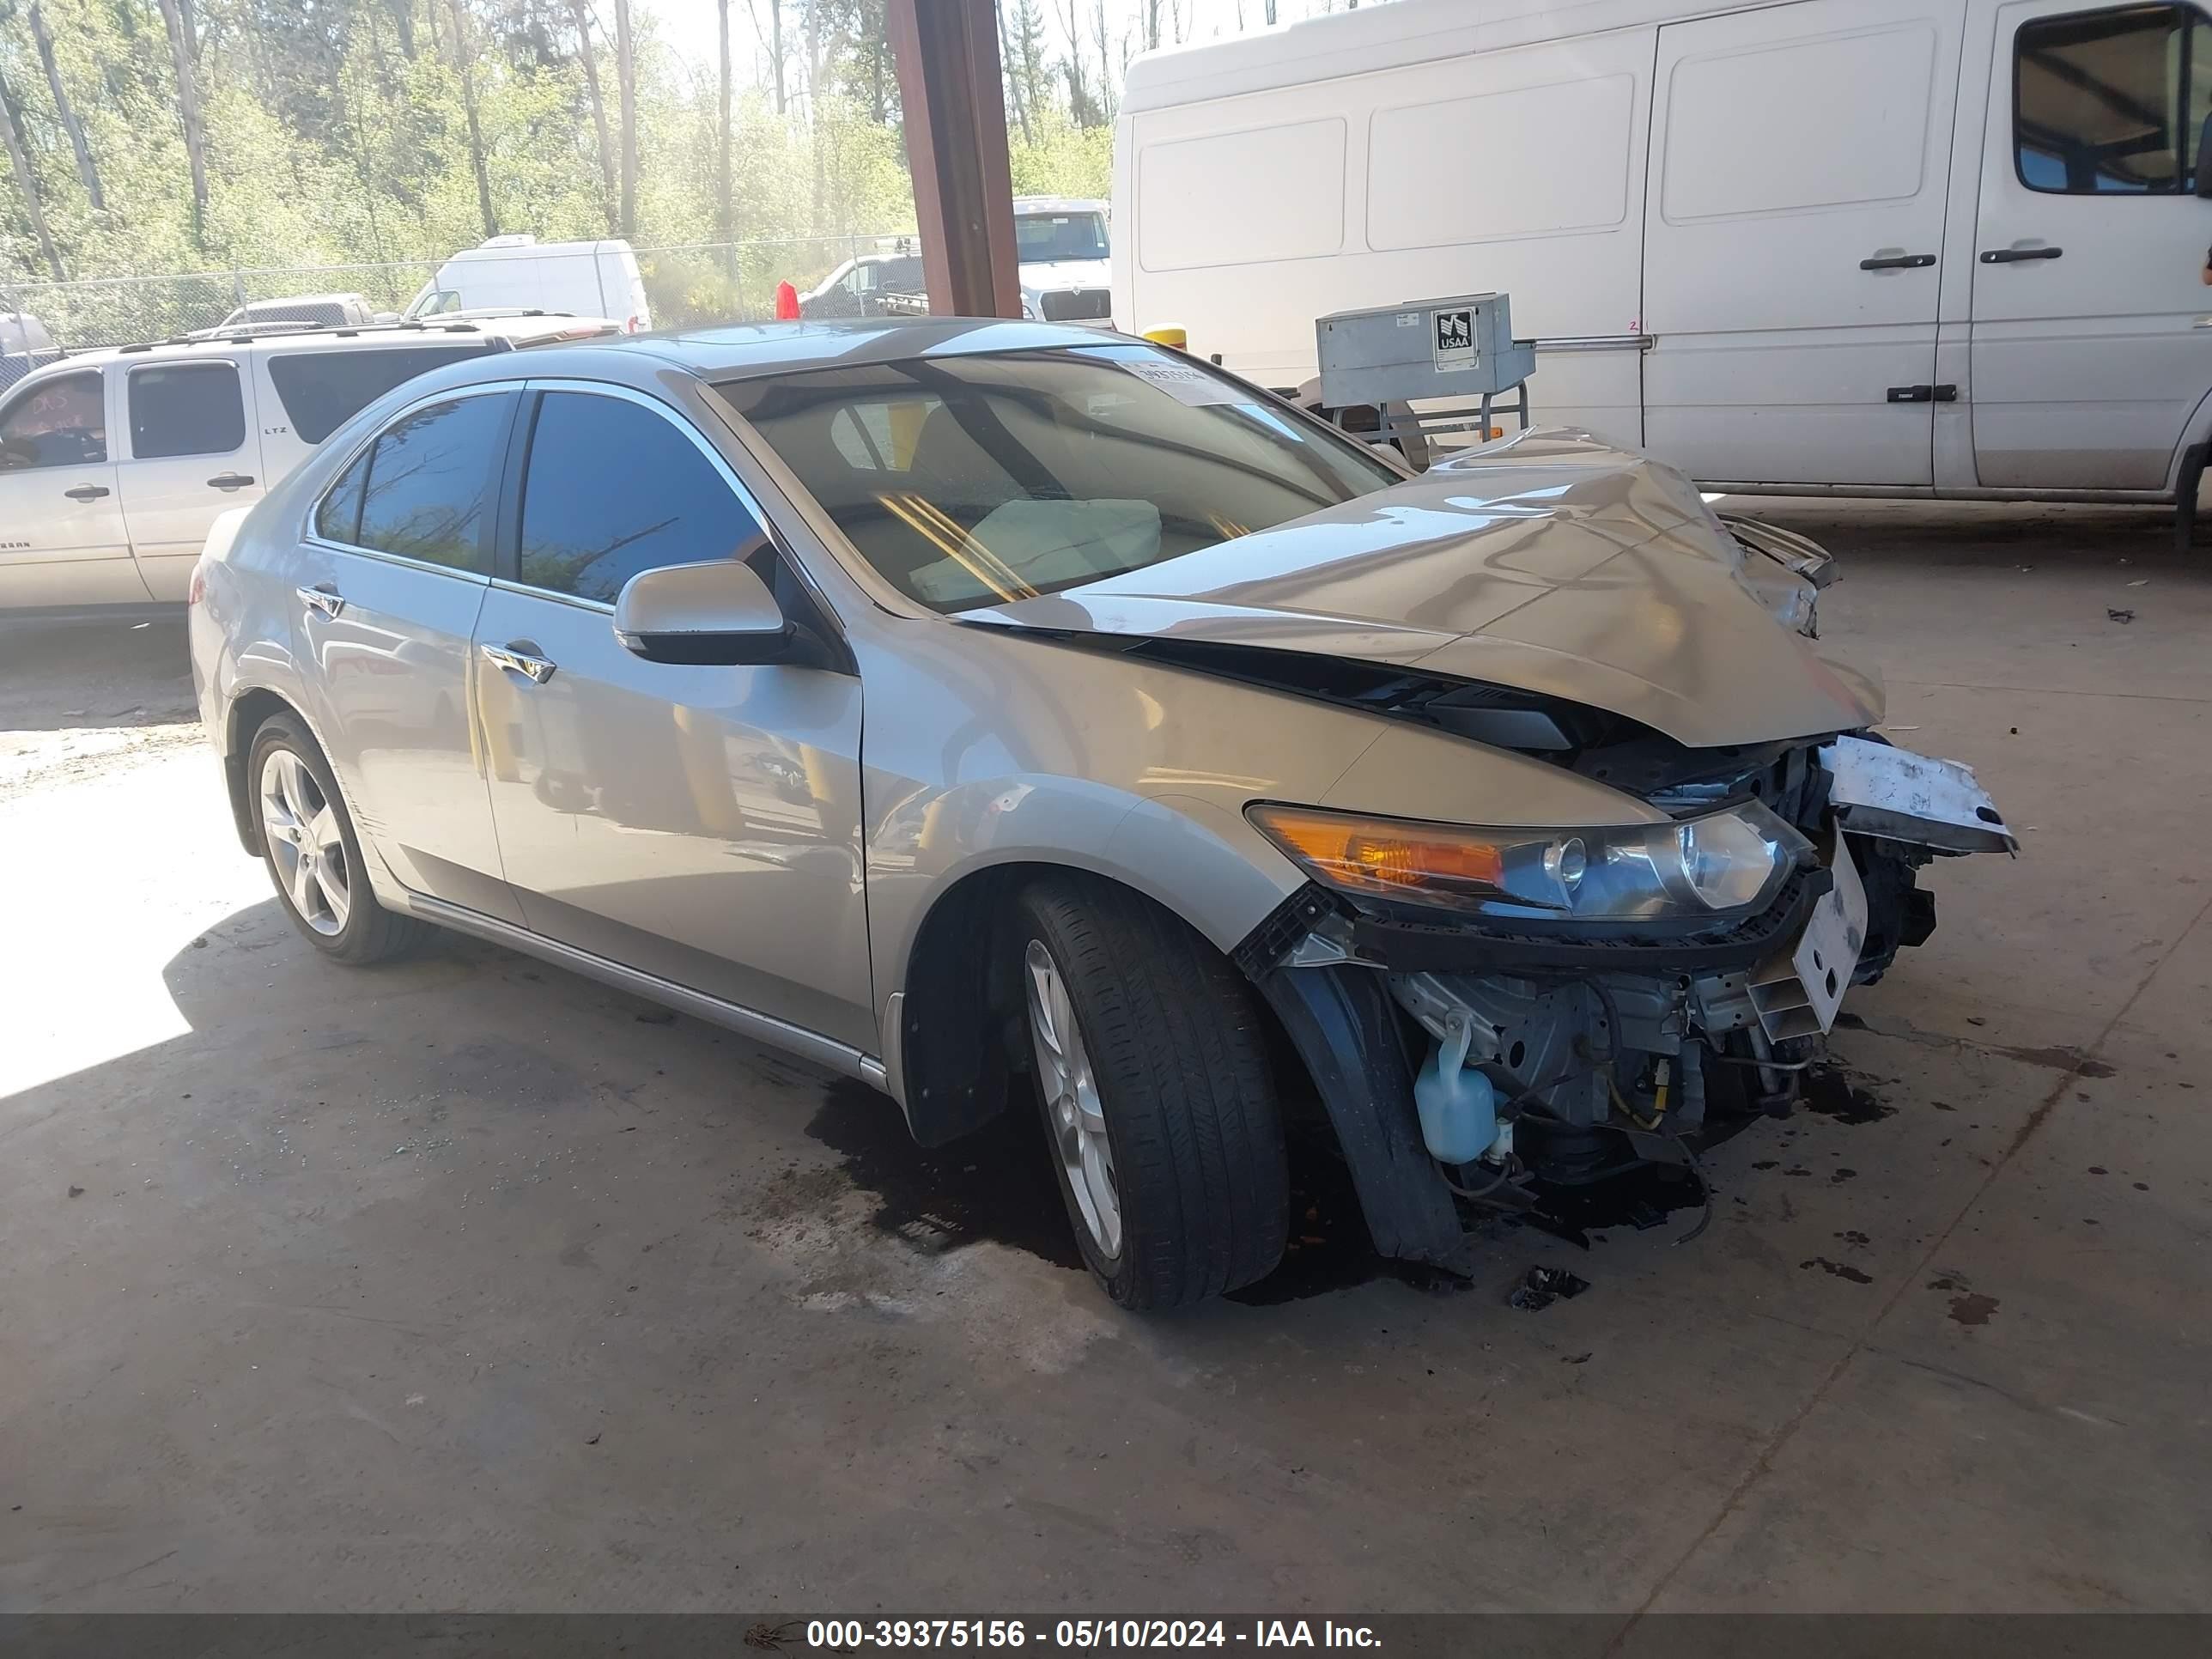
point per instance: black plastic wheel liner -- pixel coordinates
(1347, 1029)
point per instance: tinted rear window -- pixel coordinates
(430, 480)
(321, 390)
(338, 518)
(186, 409)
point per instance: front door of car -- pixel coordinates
(389, 579)
(702, 824)
(2091, 341)
(61, 527)
(191, 456)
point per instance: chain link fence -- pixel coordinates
(686, 284)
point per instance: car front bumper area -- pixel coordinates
(1586, 1058)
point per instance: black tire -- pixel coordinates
(370, 933)
(1177, 1045)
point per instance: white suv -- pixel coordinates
(114, 465)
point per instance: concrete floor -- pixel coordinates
(468, 1285)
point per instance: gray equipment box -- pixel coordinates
(1459, 348)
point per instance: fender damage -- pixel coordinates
(1550, 598)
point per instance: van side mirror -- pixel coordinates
(2203, 167)
(718, 613)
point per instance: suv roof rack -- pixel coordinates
(403, 326)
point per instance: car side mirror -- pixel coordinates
(717, 613)
(2204, 169)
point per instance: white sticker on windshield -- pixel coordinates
(1185, 382)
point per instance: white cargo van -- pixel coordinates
(1944, 247)
(586, 279)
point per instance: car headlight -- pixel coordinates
(1732, 861)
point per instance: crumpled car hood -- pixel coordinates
(1550, 562)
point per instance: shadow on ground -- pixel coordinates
(59, 675)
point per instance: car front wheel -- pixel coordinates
(308, 841)
(1152, 1071)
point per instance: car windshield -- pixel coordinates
(978, 480)
(1042, 237)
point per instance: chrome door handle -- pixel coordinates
(322, 599)
(540, 669)
(86, 492)
(230, 480)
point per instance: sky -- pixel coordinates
(690, 28)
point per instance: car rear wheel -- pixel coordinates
(308, 841)
(1152, 1075)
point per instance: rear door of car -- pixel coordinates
(190, 453)
(699, 822)
(395, 558)
(62, 541)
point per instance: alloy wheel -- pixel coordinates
(300, 828)
(1077, 1121)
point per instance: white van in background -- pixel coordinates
(586, 279)
(1061, 254)
(1943, 247)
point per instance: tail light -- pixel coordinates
(786, 303)
(630, 327)
(198, 590)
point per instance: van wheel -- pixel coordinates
(307, 842)
(1152, 1074)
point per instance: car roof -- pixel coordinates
(644, 363)
(744, 350)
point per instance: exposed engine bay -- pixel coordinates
(1573, 1062)
(1490, 1006)
(1572, 1056)
(1538, 1062)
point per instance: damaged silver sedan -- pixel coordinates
(1000, 713)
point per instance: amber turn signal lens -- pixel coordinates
(1383, 854)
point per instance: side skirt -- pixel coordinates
(775, 1033)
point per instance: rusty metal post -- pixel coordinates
(955, 109)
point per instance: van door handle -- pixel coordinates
(322, 599)
(86, 492)
(512, 656)
(2013, 256)
(1898, 262)
(230, 480)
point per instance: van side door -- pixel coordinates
(2091, 341)
(1795, 204)
(190, 453)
